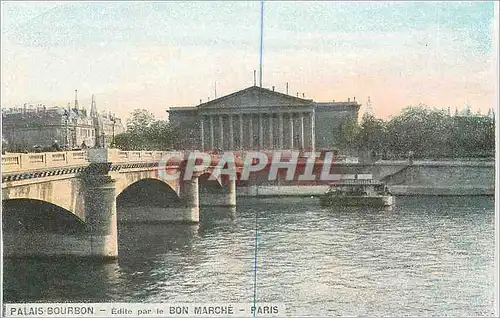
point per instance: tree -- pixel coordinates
(161, 135)
(437, 126)
(372, 135)
(473, 136)
(144, 132)
(407, 132)
(129, 141)
(433, 133)
(140, 120)
(347, 133)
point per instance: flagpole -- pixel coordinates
(257, 211)
(261, 36)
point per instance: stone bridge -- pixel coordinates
(66, 202)
(71, 202)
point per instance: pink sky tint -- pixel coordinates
(138, 66)
(157, 78)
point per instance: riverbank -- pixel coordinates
(435, 178)
(399, 190)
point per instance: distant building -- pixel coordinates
(68, 127)
(257, 118)
(467, 112)
(491, 113)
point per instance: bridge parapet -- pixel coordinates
(24, 162)
(119, 156)
(17, 162)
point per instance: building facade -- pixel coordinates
(261, 119)
(70, 127)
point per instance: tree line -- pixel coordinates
(421, 132)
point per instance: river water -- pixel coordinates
(430, 256)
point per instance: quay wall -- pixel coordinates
(421, 178)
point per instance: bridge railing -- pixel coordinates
(120, 156)
(14, 162)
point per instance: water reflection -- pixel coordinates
(59, 279)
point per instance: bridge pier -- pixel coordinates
(100, 216)
(226, 197)
(190, 201)
(230, 197)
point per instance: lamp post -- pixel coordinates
(66, 117)
(113, 121)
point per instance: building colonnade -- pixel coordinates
(258, 131)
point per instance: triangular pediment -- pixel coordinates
(252, 97)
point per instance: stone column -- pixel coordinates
(271, 137)
(250, 118)
(261, 133)
(241, 131)
(221, 132)
(190, 201)
(291, 130)
(211, 132)
(202, 132)
(280, 126)
(231, 133)
(313, 131)
(302, 131)
(100, 216)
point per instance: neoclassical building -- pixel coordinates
(261, 119)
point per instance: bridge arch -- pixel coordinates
(40, 228)
(239, 181)
(221, 182)
(65, 193)
(217, 192)
(147, 200)
(36, 215)
(126, 181)
(147, 191)
(206, 184)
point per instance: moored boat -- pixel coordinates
(356, 192)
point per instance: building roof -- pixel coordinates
(257, 89)
(248, 97)
(255, 96)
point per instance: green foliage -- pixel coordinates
(347, 133)
(372, 134)
(128, 141)
(144, 132)
(428, 133)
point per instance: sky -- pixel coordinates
(156, 55)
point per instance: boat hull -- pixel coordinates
(372, 201)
